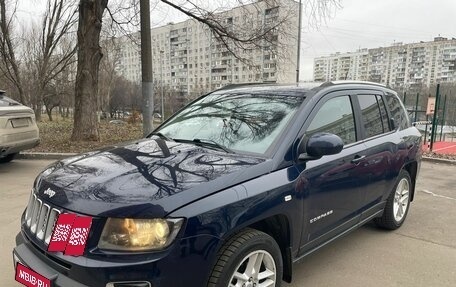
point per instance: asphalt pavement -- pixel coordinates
(421, 253)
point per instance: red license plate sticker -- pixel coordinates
(30, 278)
(78, 238)
(61, 233)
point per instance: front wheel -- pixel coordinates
(249, 259)
(398, 203)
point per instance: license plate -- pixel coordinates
(30, 278)
(19, 123)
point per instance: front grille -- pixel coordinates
(40, 218)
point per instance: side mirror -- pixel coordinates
(321, 144)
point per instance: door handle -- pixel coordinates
(358, 159)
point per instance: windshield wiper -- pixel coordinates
(206, 142)
(213, 143)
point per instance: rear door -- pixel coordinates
(381, 143)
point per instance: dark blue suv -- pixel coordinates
(231, 190)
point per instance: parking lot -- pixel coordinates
(421, 253)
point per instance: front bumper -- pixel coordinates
(187, 263)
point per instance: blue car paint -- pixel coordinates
(218, 194)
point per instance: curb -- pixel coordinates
(44, 155)
(439, 160)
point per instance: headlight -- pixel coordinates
(127, 234)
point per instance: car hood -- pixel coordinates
(148, 178)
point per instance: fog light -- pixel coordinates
(129, 284)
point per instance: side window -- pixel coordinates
(336, 117)
(383, 113)
(400, 117)
(374, 122)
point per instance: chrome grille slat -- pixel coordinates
(29, 207)
(36, 215)
(42, 221)
(40, 218)
(32, 210)
(53, 215)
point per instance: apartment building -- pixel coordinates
(187, 57)
(341, 66)
(399, 65)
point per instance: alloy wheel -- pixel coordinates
(401, 199)
(257, 269)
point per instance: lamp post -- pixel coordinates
(161, 85)
(298, 58)
(146, 68)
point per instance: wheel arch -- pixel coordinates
(412, 169)
(278, 227)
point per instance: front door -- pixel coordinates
(332, 198)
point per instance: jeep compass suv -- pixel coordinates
(231, 190)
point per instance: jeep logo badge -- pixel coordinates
(49, 192)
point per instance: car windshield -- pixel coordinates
(237, 122)
(6, 102)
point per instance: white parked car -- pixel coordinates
(18, 129)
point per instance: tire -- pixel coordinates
(397, 204)
(247, 246)
(7, 158)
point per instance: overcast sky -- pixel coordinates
(375, 23)
(357, 24)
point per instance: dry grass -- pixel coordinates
(55, 136)
(443, 156)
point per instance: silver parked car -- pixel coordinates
(18, 129)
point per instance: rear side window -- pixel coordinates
(383, 113)
(374, 115)
(336, 117)
(398, 113)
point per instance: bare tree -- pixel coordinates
(9, 66)
(55, 50)
(108, 71)
(121, 94)
(59, 94)
(45, 51)
(89, 56)
(257, 34)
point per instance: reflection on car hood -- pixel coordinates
(137, 179)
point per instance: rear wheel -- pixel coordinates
(398, 203)
(250, 259)
(7, 158)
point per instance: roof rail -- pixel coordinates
(353, 82)
(240, 85)
(2, 92)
